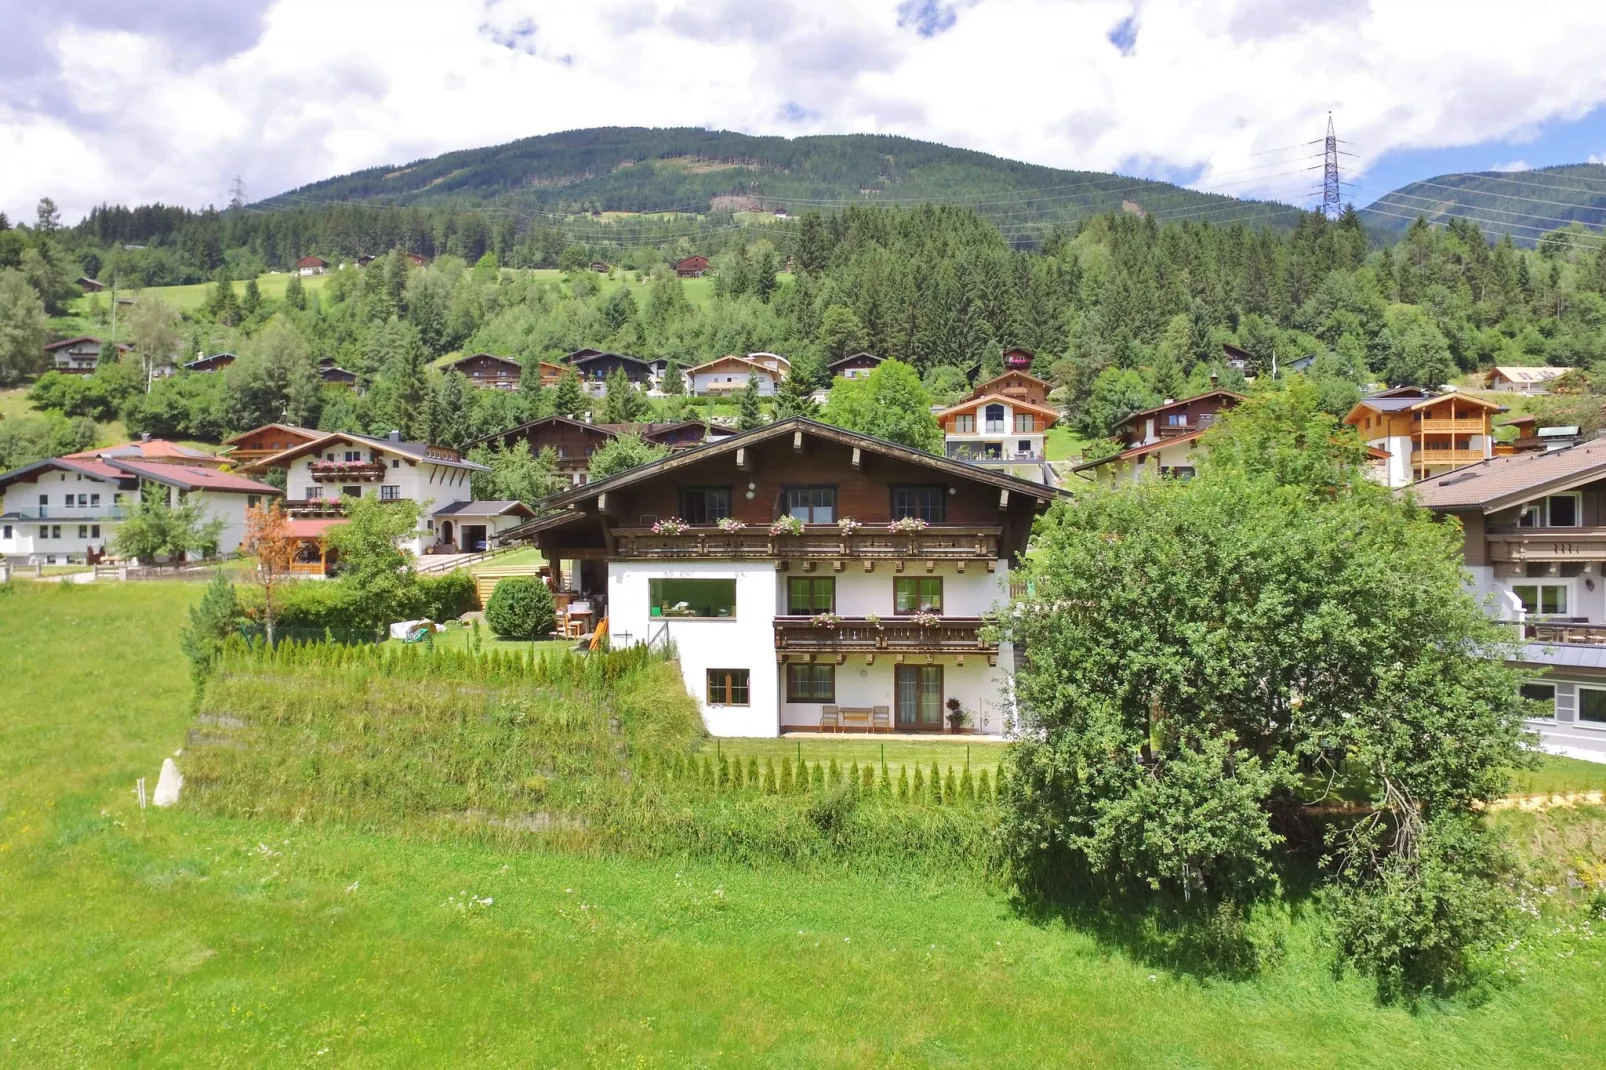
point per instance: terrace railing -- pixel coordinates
(818, 541)
(343, 471)
(949, 635)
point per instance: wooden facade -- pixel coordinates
(856, 366)
(487, 370)
(691, 267)
(251, 446)
(1017, 386)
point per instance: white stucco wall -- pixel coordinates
(983, 690)
(731, 380)
(858, 593)
(430, 485)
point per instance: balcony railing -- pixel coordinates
(1458, 426)
(310, 508)
(1508, 543)
(1440, 457)
(1566, 632)
(343, 471)
(87, 514)
(819, 541)
(950, 635)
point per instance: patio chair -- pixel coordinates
(881, 719)
(828, 719)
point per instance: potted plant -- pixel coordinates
(670, 525)
(925, 619)
(826, 620)
(847, 526)
(906, 525)
(729, 523)
(873, 620)
(787, 525)
(957, 716)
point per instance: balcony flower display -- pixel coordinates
(342, 466)
(787, 525)
(847, 525)
(670, 525)
(907, 525)
(826, 620)
(729, 523)
(873, 620)
(924, 619)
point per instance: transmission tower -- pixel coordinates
(237, 187)
(1330, 184)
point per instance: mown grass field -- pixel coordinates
(173, 938)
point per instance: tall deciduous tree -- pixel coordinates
(267, 540)
(623, 453)
(153, 329)
(157, 528)
(22, 327)
(889, 403)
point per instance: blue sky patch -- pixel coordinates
(928, 17)
(1124, 35)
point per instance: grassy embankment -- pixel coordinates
(178, 938)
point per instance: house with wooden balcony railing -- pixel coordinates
(1160, 441)
(1419, 433)
(805, 575)
(1534, 540)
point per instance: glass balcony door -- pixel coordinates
(918, 691)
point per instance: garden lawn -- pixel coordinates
(191, 297)
(457, 637)
(175, 939)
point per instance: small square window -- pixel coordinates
(83, 531)
(389, 493)
(94, 499)
(727, 687)
(1545, 693)
(917, 594)
(8, 531)
(925, 502)
(810, 683)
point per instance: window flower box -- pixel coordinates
(907, 525)
(925, 620)
(730, 523)
(847, 526)
(671, 525)
(787, 525)
(826, 620)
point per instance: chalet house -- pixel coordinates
(416, 259)
(847, 587)
(487, 370)
(594, 369)
(67, 510)
(1161, 440)
(339, 465)
(1530, 436)
(214, 363)
(365, 259)
(1018, 358)
(334, 375)
(1517, 380)
(692, 267)
(728, 375)
(311, 265)
(78, 356)
(89, 285)
(1425, 433)
(857, 366)
(1239, 360)
(249, 447)
(1002, 421)
(153, 451)
(599, 267)
(574, 441)
(1534, 530)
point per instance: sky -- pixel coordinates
(170, 100)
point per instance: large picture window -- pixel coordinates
(808, 595)
(810, 683)
(727, 687)
(1591, 704)
(812, 505)
(925, 501)
(1545, 693)
(691, 598)
(705, 505)
(1545, 599)
(917, 594)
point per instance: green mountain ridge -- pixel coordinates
(641, 170)
(1523, 204)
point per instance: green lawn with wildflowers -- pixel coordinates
(174, 938)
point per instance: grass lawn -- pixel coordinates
(14, 404)
(1061, 443)
(191, 297)
(175, 939)
(1558, 774)
(457, 637)
(527, 556)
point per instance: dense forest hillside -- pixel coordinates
(1527, 205)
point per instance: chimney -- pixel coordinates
(1214, 379)
(394, 436)
(1170, 401)
(145, 436)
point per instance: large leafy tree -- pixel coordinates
(623, 453)
(22, 327)
(374, 568)
(516, 474)
(158, 527)
(889, 403)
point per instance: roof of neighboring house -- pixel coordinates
(65, 342)
(575, 360)
(1141, 451)
(310, 529)
(1179, 402)
(92, 468)
(487, 508)
(210, 359)
(188, 478)
(853, 357)
(747, 362)
(149, 449)
(689, 259)
(305, 432)
(1527, 375)
(1013, 373)
(764, 354)
(1509, 479)
(482, 356)
(647, 430)
(971, 404)
(417, 451)
(1398, 401)
(310, 260)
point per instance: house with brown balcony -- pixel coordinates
(808, 576)
(1161, 440)
(249, 447)
(487, 370)
(573, 441)
(1534, 538)
(1425, 433)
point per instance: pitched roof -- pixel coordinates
(310, 528)
(188, 478)
(149, 449)
(65, 342)
(1398, 401)
(92, 468)
(1019, 373)
(1527, 375)
(1141, 451)
(1509, 479)
(417, 451)
(751, 364)
(292, 428)
(485, 356)
(486, 508)
(1179, 402)
(576, 361)
(972, 403)
(855, 356)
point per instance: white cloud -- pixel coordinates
(327, 88)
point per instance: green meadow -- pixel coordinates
(157, 938)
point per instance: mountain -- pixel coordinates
(640, 170)
(1523, 204)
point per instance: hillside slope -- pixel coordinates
(1523, 204)
(633, 169)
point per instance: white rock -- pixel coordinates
(169, 784)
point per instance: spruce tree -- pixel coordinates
(751, 414)
(764, 272)
(569, 399)
(295, 294)
(793, 398)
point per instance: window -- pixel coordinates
(691, 598)
(727, 687)
(314, 492)
(1545, 693)
(925, 502)
(389, 492)
(916, 594)
(351, 492)
(44, 499)
(1562, 510)
(83, 531)
(1177, 419)
(395, 462)
(917, 689)
(994, 415)
(1530, 517)
(808, 595)
(94, 531)
(705, 505)
(965, 423)
(810, 683)
(1591, 704)
(1547, 599)
(1178, 471)
(83, 500)
(7, 531)
(353, 455)
(1023, 423)
(55, 531)
(44, 531)
(94, 499)
(812, 505)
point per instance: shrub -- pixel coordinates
(919, 790)
(521, 608)
(817, 776)
(936, 784)
(448, 597)
(950, 788)
(752, 771)
(786, 776)
(984, 788)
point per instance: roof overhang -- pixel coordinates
(1141, 451)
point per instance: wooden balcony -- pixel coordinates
(944, 542)
(799, 638)
(312, 508)
(1431, 457)
(1457, 426)
(348, 471)
(1517, 545)
(1564, 632)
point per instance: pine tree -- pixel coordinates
(295, 294)
(786, 784)
(252, 302)
(674, 380)
(623, 403)
(936, 784)
(919, 789)
(569, 399)
(764, 272)
(224, 305)
(792, 398)
(751, 414)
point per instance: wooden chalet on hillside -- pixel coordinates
(692, 267)
(856, 366)
(487, 370)
(214, 363)
(249, 447)
(1161, 440)
(311, 265)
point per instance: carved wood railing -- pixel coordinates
(950, 635)
(943, 541)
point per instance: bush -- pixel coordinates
(312, 610)
(449, 596)
(521, 608)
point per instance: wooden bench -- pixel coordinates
(855, 717)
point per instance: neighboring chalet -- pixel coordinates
(365, 259)
(1002, 421)
(1161, 440)
(857, 366)
(595, 367)
(1521, 380)
(66, 510)
(1239, 360)
(89, 285)
(1017, 358)
(487, 370)
(870, 618)
(574, 441)
(249, 447)
(214, 363)
(78, 356)
(1534, 525)
(1530, 436)
(1425, 433)
(692, 267)
(333, 375)
(728, 375)
(151, 450)
(339, 465)
(311, 265)
(416, 259)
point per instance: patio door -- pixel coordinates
(918, 690)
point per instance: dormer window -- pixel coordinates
(995, 419)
